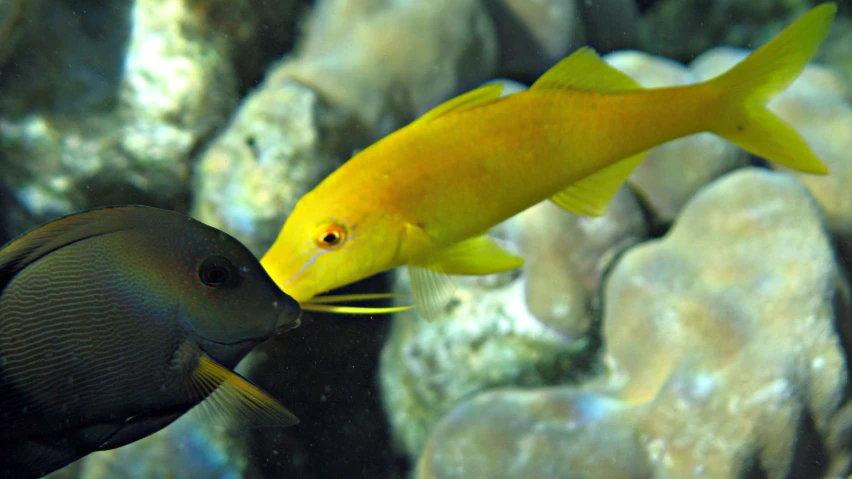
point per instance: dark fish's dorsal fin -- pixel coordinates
(42, 240)
(466, 100)
(585, 70)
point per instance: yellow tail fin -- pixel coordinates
(742, 117)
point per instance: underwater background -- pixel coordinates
(700, 328)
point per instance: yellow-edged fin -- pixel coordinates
(469, 99)
(741, 116)
(591, 195)
(585, 70)
(227, 395)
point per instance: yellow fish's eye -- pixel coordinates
(330, 236)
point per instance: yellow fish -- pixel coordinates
(425, 195)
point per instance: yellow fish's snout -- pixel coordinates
(286, 278)
(319, 250)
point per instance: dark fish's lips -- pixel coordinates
(285, 322)
(289, 316)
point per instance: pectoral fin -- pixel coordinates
(591, 195)
(225, 394)
(431, 289)
(431, 285)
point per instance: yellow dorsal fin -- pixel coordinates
(585, 70)
(469, 99)
(225, 394)
(591, 195)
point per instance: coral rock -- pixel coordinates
(108, 106)
(487, 339)
(724, 332)
(555, 433)
(566, 256)
(723, 351)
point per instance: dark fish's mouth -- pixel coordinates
(255, 339)
(285, 322)
(289, 315)
(287, 327)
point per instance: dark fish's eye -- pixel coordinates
(217, 271)
(330, 236)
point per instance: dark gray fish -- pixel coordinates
(116, 321)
